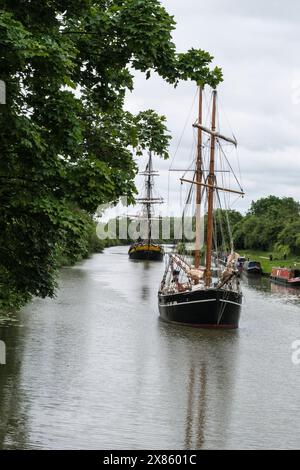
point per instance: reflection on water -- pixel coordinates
(95, 368)
(278, 291)
(289, 294)
(196, 408)
(256, 282)
(204, 362)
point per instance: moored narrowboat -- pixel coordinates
(252, 267)
(287, 276)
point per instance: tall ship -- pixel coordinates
(145, 248)
(196, 290)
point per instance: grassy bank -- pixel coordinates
(267, 265)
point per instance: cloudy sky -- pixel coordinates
(257, 45)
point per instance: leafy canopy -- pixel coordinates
(271, 222)
(66, 142)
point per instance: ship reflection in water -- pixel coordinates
(195, 422)
(204, 393)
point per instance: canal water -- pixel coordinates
(96, 369)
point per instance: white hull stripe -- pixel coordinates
(229, 302)
(176, 304)
(184, 303)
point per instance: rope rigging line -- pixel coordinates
(179, 143)
(231, 130)
(184, 128)
(235, 177)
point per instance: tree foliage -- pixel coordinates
(66, 142)
(271, 223)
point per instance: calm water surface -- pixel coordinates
(95, 368)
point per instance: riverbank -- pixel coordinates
(264, 258)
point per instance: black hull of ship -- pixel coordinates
(209, 308)
(137, 253)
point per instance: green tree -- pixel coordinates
(267, 223)
(225, 222)
(275, 207)
(65, 140)
(289, 237)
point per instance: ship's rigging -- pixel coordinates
(192, 280)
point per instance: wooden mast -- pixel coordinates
(219, 188)
(210, 202)
(197, 261)
(149, 194)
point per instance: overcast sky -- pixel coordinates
(257, 45)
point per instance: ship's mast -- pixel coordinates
(210, 200)
(147, 200)
(199, 181)
(149, 195)
(209, 184)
